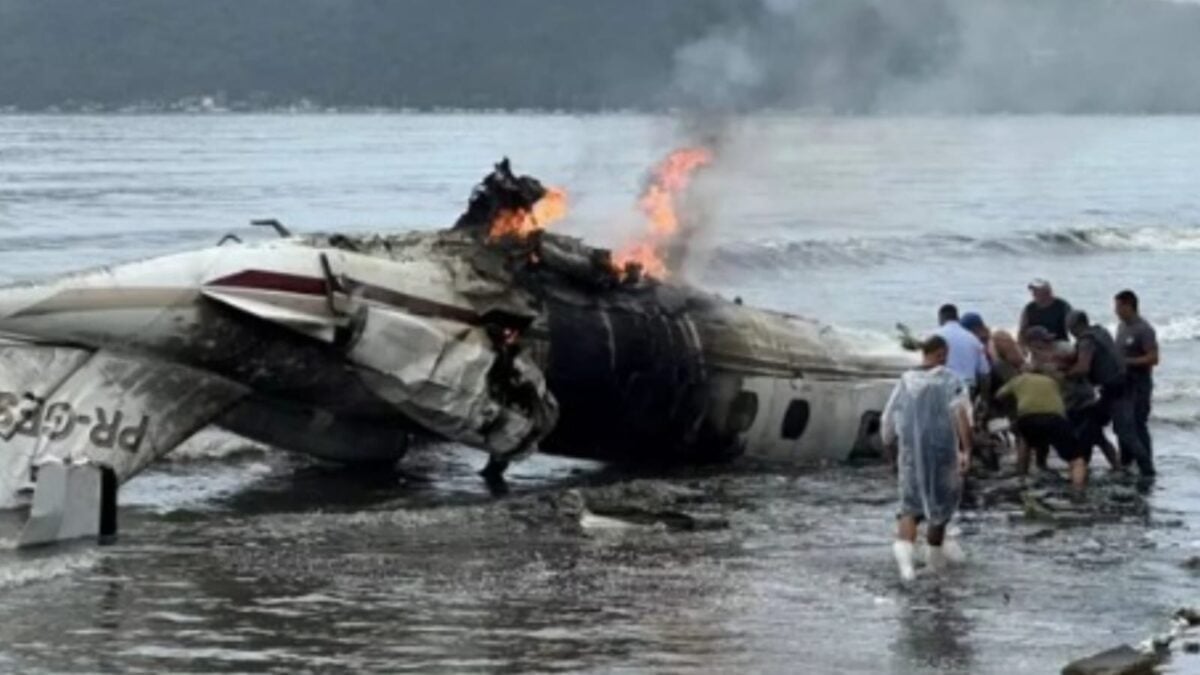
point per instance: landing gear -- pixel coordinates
(493, 475)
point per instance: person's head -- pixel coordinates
(1042, 293)
(1007, 349)
(1125, 304)
(1078, 322)
(934, 351)
(946, 314)
(974, 323)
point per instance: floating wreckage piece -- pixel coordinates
(1188, 616)
(636, 506)
(1099, 504)
(1123, 660)
(1048, 499)
(1146, 657)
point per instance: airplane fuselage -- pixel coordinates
(347, 347)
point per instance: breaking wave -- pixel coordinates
(1175, 391)
(1180, 329)
(1179, 419)
(779, 253)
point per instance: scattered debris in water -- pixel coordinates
(1123, 660)
(1048, 499)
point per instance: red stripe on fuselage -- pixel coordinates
(261, 280)
(272, 281)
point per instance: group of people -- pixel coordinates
(1059, 383)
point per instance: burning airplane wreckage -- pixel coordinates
(496, 333)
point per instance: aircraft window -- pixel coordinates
(795, 420)
(742, 412)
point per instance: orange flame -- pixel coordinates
(659, 204)
(520, 223)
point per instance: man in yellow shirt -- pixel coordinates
(1042, 422)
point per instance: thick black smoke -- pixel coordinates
(946, 56)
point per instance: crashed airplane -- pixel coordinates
(502, 337)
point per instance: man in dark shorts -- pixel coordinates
(1088, 420)
(1042, 423)
(1139, 343)
(1101, 361)
(1045, 310)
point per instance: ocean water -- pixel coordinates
(242, 560)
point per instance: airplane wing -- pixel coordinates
(81, 414)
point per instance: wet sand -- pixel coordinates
(311, 569)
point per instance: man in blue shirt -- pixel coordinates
(967, 356)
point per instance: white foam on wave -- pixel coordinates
(1179, 329)
(1172, 391)
(1146, 239)
(22, 571)
(1178, 418)
(214, 444)
(786, 253)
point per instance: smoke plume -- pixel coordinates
(944, 57)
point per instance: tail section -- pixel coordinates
(74, 424)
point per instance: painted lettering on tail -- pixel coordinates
(58, 421)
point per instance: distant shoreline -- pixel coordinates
(320, 111)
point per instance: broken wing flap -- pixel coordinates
(112, 415)
(455, 380)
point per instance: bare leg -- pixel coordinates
(1079, 474)
(935, 534)
(906, 529)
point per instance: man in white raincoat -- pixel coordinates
(928, 414)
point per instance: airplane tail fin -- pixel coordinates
(72, 501)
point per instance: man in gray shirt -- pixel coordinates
(1100, 360)
(1139, 344)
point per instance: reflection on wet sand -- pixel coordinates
(931, 632)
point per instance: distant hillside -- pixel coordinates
(855, 56)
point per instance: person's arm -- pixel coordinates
(966, 437)
(1149, 359)
(1083, 360)
(1067, 309)
(1150, 346)
(1023, 324)
(983, 367)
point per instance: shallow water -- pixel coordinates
(259, 562)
